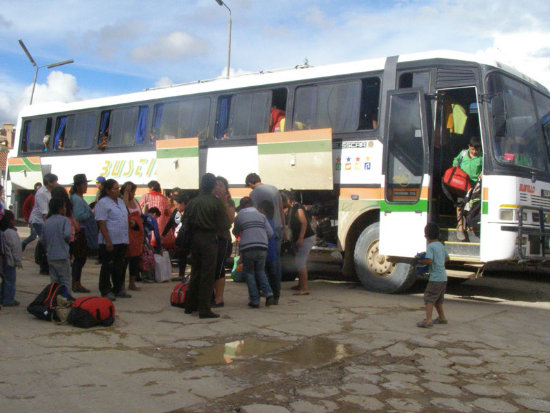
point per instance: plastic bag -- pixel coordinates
(163, 267)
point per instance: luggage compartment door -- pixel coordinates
(296, 159)
(178, 163)
(24, 172)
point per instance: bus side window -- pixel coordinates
(222, 117)
(157, 119)
(59, 137)
(305, 106)
(103, 136)
(25, 136)
(335, 105)
(370, 96)
(415, 79)
(141, 126)
(36, 134)
(277, 117)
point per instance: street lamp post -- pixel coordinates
(221, 3)
(37, 68)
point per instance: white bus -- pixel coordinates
(368, 141)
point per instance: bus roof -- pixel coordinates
(267, 77)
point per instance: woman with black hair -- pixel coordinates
(112, 218)
(135, 233)
(12, 259)
(302, 235)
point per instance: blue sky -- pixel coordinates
(122, 46)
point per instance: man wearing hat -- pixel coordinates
(99, 181)
(86, 238)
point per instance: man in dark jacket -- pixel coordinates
(205, 216)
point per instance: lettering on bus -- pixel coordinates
(545, 193)
(527, 188)
(142, 168)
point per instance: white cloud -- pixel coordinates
(164, 82)
(59, 87)
(10, 95)
(233, 72)
(527, 52)
(170, 47)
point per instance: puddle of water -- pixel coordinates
(240, 349)
(313, 351)
(316, 350)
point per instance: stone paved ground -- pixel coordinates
(341, 349)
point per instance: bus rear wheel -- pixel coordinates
(374, 270)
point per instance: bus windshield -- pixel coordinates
(517, 133)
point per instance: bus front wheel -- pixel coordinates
(374, 270)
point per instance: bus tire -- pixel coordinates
(375, 272)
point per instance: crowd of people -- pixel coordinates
(123, 232)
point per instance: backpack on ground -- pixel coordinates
(43, 306)
(177, 298)
(92, 311)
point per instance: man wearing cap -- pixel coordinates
(206, 216)
(99, 181)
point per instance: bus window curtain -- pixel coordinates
(59, 131)
(104, 123)
(223, 117)
(157, 121)
(141, 125)
(27, 133)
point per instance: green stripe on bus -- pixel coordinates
(32, 166)
(294, 147)
(17, 168)
(421, 206)
(177, 153)
(24, 168)
(485, 207)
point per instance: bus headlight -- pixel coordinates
(506, 214)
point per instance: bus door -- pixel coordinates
(404, 209)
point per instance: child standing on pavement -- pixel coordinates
(266, 208)
(436, 258)
(56, 236)
(255, 232)
(13, 258)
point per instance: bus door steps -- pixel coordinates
(468, 249)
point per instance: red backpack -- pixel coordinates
(44, 304)
(177, 299)
(92, 311)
